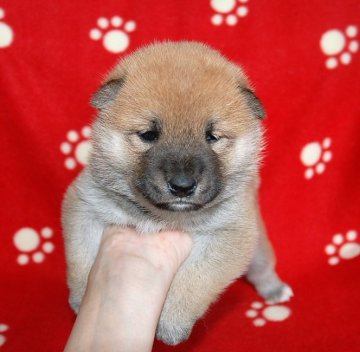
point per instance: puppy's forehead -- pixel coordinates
(182, 83)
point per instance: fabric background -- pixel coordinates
(303, 59)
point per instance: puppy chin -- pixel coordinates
(178, 206)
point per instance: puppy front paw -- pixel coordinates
(74, 304)
(173, 333)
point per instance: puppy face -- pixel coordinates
(178, 129)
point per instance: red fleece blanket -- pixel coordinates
(304, 61)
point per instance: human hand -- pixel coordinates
(161, 253)
(126, 290)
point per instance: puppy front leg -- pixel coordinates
(77, 276)
(261, 272)
(213, 264)
(82, 234)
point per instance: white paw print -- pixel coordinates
(228, 11)
(338, 46)
(3, 328)
(314, 156)
(77, 148)
(343, 247)
(33, 244)
(6, 32)
(264, 312)
(115, 40)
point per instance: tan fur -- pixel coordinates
(184, 86)
(203, 79)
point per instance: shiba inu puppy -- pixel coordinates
(176, 145)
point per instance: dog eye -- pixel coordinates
(149, 136)
(210, 138)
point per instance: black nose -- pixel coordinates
(182, 186)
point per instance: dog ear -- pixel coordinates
(254, 103)
(107, 93)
